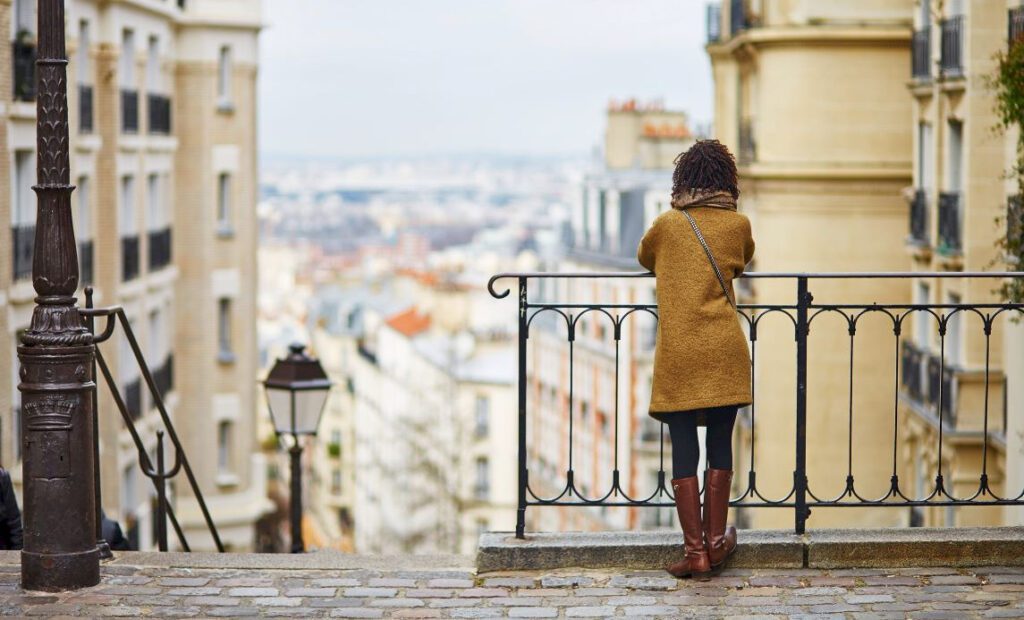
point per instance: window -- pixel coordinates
(482, 488)
(954, 163)
(336, 481)
(154, 205)
(922, 320)
(128, 227)
(482, 415)
(224, 78)
(224, 330)
(954, 332)
(224, 447)
(153, 66)
(24, 211)
(82, 54)
(83, 227)
(128, 60)
(224, 203)
(24, 18)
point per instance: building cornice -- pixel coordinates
(896, 35)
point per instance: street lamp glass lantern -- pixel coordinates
(297, 389)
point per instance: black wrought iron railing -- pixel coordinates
(160, 473)
(159, 248)
(919, 233)
(952, 45)
(163, 375)
(159, 113)
(23, 242)
(85, 109)
(133, 398)
(1015, 25)
(950, 222)
(922, 380)
(23, 56)
(129, 257)
(921, 53)
(85, 261)
(129, 111)
(748, 144)
(713, 17)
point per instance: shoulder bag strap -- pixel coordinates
(711, 257)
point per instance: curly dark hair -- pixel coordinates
(707, 165)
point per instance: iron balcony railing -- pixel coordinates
(159, 113)
(129, 111)
(920, 53)
(1015, 223)
(159, 472)
(85, 261)
(129, 257)
(23, 56)
(922, 376)
(85, 109)
(748, 145)
(713, 18)
(163, 376)
(1015, 25)
(133, 398)
(23, 243)
(919, 233)
(952, 44)
(159, 248)
(950, 222)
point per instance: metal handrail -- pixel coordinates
(940, 410)
(158, 475)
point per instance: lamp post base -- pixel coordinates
(57, 572)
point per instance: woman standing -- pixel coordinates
(701, 361)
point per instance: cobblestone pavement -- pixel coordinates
(413, 593)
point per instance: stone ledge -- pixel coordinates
(838, 548)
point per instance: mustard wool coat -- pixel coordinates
(701, 358)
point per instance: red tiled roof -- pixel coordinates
(409, 322)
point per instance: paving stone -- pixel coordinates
(533, 612)
(589, 612)
(253, 592)
(183, 581)
(301, 592)
(276, 601)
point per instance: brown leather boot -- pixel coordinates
(721, 539)
(695, 559)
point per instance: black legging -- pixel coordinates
(682, 427)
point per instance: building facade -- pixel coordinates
(162, 117)
(962, 203)
(811, 97)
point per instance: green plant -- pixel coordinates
(1008, 85)
(334, 450)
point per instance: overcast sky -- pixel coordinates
(358, 78)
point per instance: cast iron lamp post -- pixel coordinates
(297, 389)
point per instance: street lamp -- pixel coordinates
(297, 389)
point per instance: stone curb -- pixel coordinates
(825, 549)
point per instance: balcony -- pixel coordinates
(920, 54)
(748, 145)
(928, 382)
(952, 44)
(129, 111)
(1015, 25)
(159, 248)
(129, 257)
(159, 114)
(85, 262)
(85, 109)
(23, 55)
(23, 241)
(950, 225)
(713, 17)
(919, 233)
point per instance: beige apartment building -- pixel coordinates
(163, 153)
(811, 97)
(960, 202)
